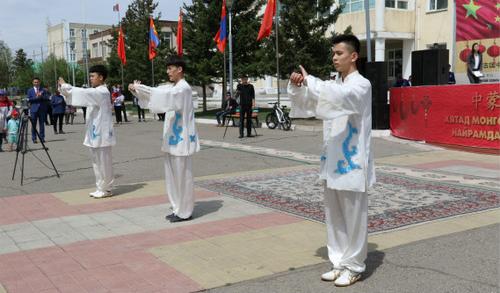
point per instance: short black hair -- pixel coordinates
(177, 61)
(350, 40)
(35, 78)
(99, 69)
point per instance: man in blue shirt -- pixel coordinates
(38, 97)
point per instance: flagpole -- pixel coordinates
(224, 84)
(229, 6)
(153, 71)
(277, 50)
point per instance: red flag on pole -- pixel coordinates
(179, 34)
(154, 41)
(116, 7)
(221, 36)
(121, 47)
(267, 21)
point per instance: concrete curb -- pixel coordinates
(312, 128)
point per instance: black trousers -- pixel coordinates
(118, 114)
(57, 118)
(246, 112)
(472, 77)
(124, 109)
(84, 110)
(140, 112)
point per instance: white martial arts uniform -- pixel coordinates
(99, 136)
(180, 139)
(346, 161)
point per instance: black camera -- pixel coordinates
(25, 106)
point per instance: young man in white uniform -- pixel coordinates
(99, 136)
(344, 105)
(180, 139)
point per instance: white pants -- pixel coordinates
(103, 168)
(346, 217)
(179, 184)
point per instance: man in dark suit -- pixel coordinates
(246, 93)
(38, 98)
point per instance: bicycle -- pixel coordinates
(278, 117)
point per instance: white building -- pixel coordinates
(398, 27)
(100, 42)
(70, 40)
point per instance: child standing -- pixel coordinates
(13, 129)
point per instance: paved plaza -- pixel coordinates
(434, 217)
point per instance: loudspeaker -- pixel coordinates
(429, 67)
(376, 73)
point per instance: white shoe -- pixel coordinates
(92, 194)
(331, 275)
(102, 194)
(347, 278)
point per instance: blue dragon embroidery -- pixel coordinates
(192, 138)
(94, 135)
(177, 130)
(322, 158)
(342, 166)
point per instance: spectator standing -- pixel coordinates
(246, 93)
(58, 108)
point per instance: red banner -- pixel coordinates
(466, 115)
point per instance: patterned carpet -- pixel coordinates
(401, 196)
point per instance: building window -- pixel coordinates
(72, 32)
(438, 5)
(394, 63)
(94, 51)
(103, 49)
(72, 57)
(354, 5)
(399, 4)
(168, 39)
(84, 33)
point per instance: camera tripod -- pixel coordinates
(22, 144)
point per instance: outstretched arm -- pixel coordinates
(303, 101)
(160, 99)
(83, 97)
(142, 92)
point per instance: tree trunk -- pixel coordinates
(203, 86)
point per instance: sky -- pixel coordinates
(24, 22)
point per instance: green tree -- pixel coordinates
(5, 65)
(204, 64)
(303, 37)
(201, 23)
(23, 71)
(52, 68)
(248, 54)
(135, 25)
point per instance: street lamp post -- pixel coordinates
(229, 4)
